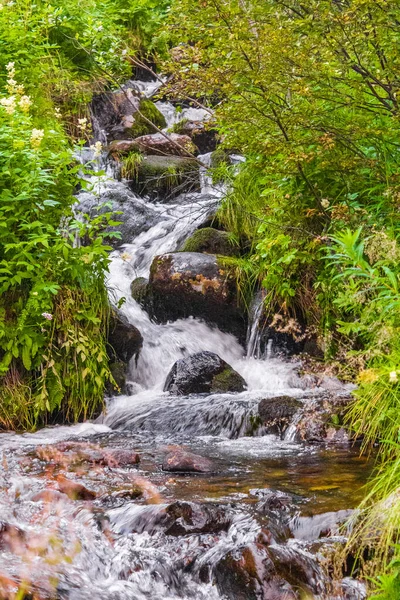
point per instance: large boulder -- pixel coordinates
(322, 419)
(156, 144)
(119, 115)
(277, 413)
(188, 518)
(210, 241)
(163, 178)
(133, 214)
(185, 284)
(204, 372)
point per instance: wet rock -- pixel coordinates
(180, 461)
(139, 289)
(321, 415)
(75, 491)
(156, 144)
(204, 372)
(210, 241)
(49, 496)
(117, 115)
(277, 413)
(118, 457)
(163, 178)
(184, 284)
(248, 573)
(298, 566)
(124, 338)
(274, 500)
(11, 536)
(188, 518)
(132, 213)
(353, 590)
(203, 137)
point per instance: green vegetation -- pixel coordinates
(53, 300)
(309, 92)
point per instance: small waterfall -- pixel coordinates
(254, 333)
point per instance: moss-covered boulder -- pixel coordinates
(185, 284)
(204, 372)
(162, 178)
(211, 241)
(123, 114)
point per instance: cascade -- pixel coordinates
(134, 540)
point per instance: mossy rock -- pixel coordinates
(227, 381)
(162, 178)
(151, 112)
(139, 289)
(219, 157)
(210, 241)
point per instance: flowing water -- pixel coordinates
(117, 546)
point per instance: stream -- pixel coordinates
(136, 531)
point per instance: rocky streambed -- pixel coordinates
(217, 471)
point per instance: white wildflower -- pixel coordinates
(36, 137)
(393, 376)
(97, 149)
(9, 104)
(325, 202)
(57, 113)
(82, 124)
(47, 316)
(25, 103)
(126, 256)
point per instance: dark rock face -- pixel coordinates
(319, 416)
(204, 372)
(163, 178)
(248, 573)
(117, 115)
(204, 139)
(135, 216)
(211, 241)
(124, 338)
(112, 112)
(184, 284)
(299, 568)
(179, 461)
(156, 144)
(187, 518)
(277, 413)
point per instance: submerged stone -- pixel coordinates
(180, 461)
(204, 372)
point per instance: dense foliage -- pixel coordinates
(53, 301)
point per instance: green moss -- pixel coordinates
(211, 241)
(163, 177)
(227, 381)
(150, 111)
(139, 288)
